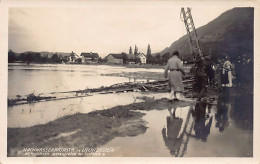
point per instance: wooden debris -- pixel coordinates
(154, 86)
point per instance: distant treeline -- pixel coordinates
(36, 57)
(163, 59)
(157, 59)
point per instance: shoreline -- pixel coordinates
(147, 66)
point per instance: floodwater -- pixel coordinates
(27, 115)
(46, 78)
(224, 129)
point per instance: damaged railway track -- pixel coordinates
(154, 86)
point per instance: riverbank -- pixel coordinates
(97, 64)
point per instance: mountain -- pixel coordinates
(232, 33)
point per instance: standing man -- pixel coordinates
(201, 78)
(210, 72)
(174, 65)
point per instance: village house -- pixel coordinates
(89, 57)
(115, 59)
(72, 57)
(126, 58)
(142, 57)
(64, 56)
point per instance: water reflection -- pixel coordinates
(197, 124)
(172, 136)
(202, 121)
(179, 128)
(191, 131)
(223, 106)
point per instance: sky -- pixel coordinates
(101, 28)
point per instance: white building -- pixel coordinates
(142, 58)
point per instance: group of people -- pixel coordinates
(206, 73)
(218, 75)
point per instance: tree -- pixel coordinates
(45, 59)
(149, 58)
(124, 56)
(136, 50)
(22, 57)
(11, 56)
(165, 58)
(153, 60)
(37, 58)
(29, 57)
(158, 59)
(130, 50)
(55, 58)
(148, 50)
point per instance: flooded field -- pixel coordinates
(43, 112)
(47, 78)
(133, 124)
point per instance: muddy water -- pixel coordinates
(47, 78)
(43, 112)
(223, 129)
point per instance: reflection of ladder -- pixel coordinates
(190, 27)
(185, 134)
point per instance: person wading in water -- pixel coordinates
(174, 65)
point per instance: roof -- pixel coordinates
(130, 56)
(89, 55)
(117, 56)
(140, 54)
